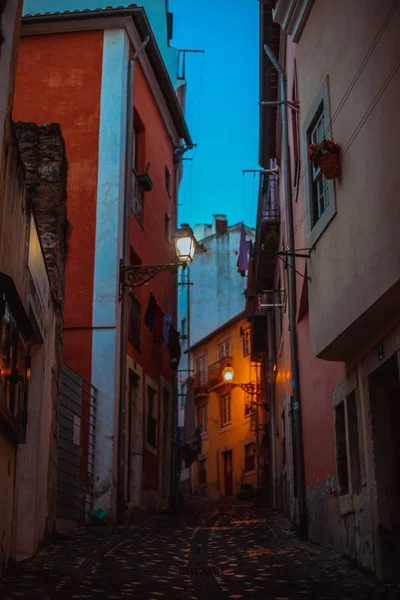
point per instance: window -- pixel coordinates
(202, 471)
(151, 417)
(14, 365)
(224, 350)
(225, 410)
(249, 406)
(167, 227)
(319, 191)
(168, 182)
(319, 185)
(246, 342)
(249, 457)
(137, 167)
(134, 324)
(201, 369)
(202, 418)
(347, 446)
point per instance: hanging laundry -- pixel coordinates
(174, 347)
(166, 328)
(158, 325)
(150, 315)
(243, 259)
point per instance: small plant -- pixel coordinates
(315, 151)
(325, 156)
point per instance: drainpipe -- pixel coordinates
(271, 400)
(292, 298)
(124, 303)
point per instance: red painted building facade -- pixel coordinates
(74, 70)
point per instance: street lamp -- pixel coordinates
(251, 387)
(138, 275)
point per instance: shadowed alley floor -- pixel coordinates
(218, 552)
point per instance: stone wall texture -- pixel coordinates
(43, 154)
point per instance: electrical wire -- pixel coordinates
(353, 82)
(358, 129)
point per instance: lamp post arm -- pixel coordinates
(138, 275)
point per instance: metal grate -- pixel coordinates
(207, 571)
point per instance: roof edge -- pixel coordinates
(140, 19)
(241, 315)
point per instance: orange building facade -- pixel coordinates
(74, 70)
(231, 419)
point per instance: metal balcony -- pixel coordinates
(215, 371)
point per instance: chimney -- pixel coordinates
(220, 224)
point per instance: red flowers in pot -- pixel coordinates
(326, 156)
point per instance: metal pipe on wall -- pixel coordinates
(300, 477)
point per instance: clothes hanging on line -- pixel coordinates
(243, 259)
(150, 314)
(166, 328)
(174, 347)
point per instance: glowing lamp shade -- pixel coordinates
(227, 374)
(185, 244)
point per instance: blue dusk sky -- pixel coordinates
(221, 107)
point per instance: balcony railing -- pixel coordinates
(200, 383)
(265, 301)
(215, 371)
(204, 381)
(270, 210)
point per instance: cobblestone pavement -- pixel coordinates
(248, 555)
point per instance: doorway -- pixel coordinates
(384, 390)
(166, 445)
(228, 475)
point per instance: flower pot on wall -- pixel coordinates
(329, 165)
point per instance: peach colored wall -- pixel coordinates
(356, 261)
(65, 89)
(317, 377)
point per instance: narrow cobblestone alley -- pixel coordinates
(219, 552)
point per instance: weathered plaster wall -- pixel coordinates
(67, 91)
(155, 10)
(43, 154)
(363, 236)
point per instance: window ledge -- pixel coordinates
(346, 504)
(151, 449)
(227, 427)
(292, 16)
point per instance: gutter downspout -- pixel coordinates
(300, 475)
(271, 400)
(124, 303)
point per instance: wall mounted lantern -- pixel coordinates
(138, 275)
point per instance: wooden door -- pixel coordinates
(228, 475)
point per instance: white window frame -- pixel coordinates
(315, 229)
(226, 410)
(202, 418)
(224, 349)
(201, 362)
